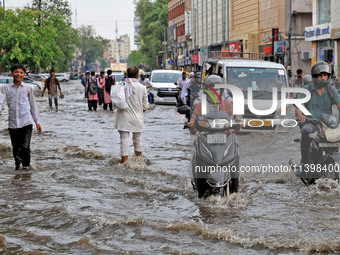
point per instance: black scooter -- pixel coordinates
(215, 161)
(324, 151)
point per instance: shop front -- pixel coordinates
(323, 47)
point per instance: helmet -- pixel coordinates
(307, 79)
(192, 74)
(143, 74)
(318, 68)
(212, 80)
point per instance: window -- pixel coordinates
(324, 11)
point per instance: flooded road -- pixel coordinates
(80, 200)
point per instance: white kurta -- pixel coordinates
(131, 119)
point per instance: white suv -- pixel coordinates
(62, 77)
(257, 75)
(163, 86)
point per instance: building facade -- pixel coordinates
(324, 34)
(176, 43)
(119, 50)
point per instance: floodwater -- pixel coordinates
(80, 200)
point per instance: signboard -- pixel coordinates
(267, 50)
(172, 35)
(171, 62)
(319, 32)
(118, 67)
(335, 33)
(188, 24)
(185, 57)
(313, 53)
(234, 47)
(279, 47)
(321, 53)
(194, 59)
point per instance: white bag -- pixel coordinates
(118, 96)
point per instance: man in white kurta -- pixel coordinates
(131, 119)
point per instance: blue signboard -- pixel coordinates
(171, 62)
(321, 53)
(185, 57)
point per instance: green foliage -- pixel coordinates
(134, 58)
(59, 12)
(24, 41)
(39, 37)
(92, 46)
(154, 19)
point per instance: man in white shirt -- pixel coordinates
(22, 108)
(180, 84)
(131, 119)
(185, 90)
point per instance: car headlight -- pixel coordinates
(205, 151)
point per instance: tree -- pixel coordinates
(60, 14)
(23, 41)
(154, 18)
(134, 58)
(92, 46)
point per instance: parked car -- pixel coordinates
(6, 74)
(38, 77)
(8, 79)
(63, 77)
(163, 86)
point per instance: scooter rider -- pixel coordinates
(227, 104)
(323, 96)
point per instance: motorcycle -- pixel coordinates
(323, 151)
(215, 160)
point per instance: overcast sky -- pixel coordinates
(101, 14)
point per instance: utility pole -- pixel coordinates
(289, 64)
(39, 8)
(165, 46)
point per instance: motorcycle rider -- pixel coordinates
(145, 81)
(323, 96)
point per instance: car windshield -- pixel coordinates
(259, 79)
(118, 77)
(166, 77)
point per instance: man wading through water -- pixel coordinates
(131, 119)
(52, 84)
(22, 108)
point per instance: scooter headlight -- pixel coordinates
(205, 151)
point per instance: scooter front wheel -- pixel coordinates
(233, 187)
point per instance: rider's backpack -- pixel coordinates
(329, 92)
(109, 81)
(93, 88)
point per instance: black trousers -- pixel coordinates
(105, 106)
(101, 96)
(92, 104)
(21, 142)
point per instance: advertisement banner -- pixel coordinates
(194, 59)
(172, 35)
